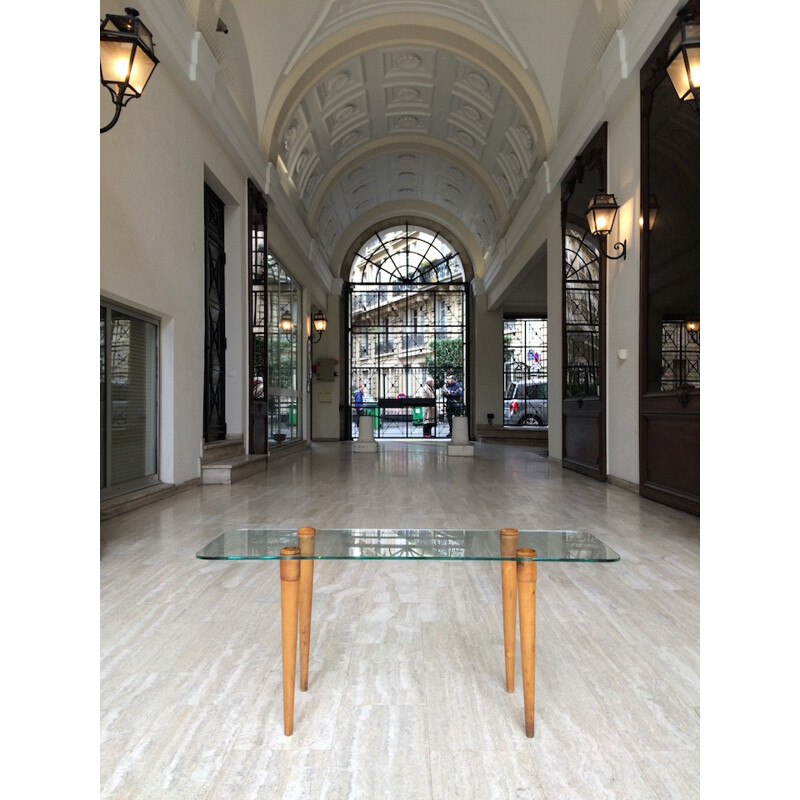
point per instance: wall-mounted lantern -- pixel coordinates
(683, 62)
(320, 324)
(601, 214)
(127, 58)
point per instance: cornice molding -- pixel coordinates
(185, 53)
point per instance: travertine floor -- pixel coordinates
(406, 692)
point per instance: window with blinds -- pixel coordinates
(128, 400)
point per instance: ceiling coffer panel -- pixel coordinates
(419, 123)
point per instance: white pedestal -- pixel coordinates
(366, 437)
(460, 445)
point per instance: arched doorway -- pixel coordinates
(584, 304)
(407, 321)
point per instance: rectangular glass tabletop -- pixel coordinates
(388, 543)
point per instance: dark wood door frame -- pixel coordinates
(669, 419)
(584, 417)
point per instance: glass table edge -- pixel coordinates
(611, 555)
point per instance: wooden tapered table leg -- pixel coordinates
(305, 538)
(526, 587)
(290, 584)
(508, 573)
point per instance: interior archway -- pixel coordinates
(406, 328)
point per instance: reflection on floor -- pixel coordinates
(406, 693)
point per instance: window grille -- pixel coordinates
(407, 321)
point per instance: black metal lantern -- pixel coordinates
(320, 323)
(287, 323)
(601, 214)
(127, 59)
(683, 62)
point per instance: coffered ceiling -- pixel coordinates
(449, 106)
(447, 133)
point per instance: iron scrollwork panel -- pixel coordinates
(214, 426)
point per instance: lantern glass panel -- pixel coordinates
(601, 214)
(115, 61)
(684, 65)
(143, 66)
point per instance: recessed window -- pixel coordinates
(128, 400)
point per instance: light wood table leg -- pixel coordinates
(290, 583)
(508, 573)
(305, 538)
(526, 580)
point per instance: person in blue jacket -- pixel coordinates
(358, 404)
(453, 394)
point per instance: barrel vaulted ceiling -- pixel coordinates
(446, 106)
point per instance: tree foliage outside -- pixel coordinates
(446, 357)
(508, 349)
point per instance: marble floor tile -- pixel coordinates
(407, 696)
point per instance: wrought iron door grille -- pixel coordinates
(525, 371)
(680, 356)
(214, 423)
(581, 315)
(407, 322)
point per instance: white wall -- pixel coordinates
(486, 382)
(555, 327)
(623, 279)
(152, 166)
(326, 395)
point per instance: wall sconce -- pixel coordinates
(601, 213)
(683, 62)
(127, 59)
(693, 322)
(320, 323)
(652, 212)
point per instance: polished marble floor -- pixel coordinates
(406, 694)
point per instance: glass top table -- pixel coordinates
(390, 543)
(517, 551)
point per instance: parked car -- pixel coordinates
(525, 404)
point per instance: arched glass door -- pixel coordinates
(584, 296)
(407, 323)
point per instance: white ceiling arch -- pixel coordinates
(403, 30)
(406, 168)
(399, 107)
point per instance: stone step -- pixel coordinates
(224, 450)
(121, 504)
(535, 437)
(233, 469)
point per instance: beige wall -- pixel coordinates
(326, 395)
(622, 313)
(153, 164)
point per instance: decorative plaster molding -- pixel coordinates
(186, 55)
(338, 14)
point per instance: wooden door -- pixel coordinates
(584, 335)
(669, 405)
